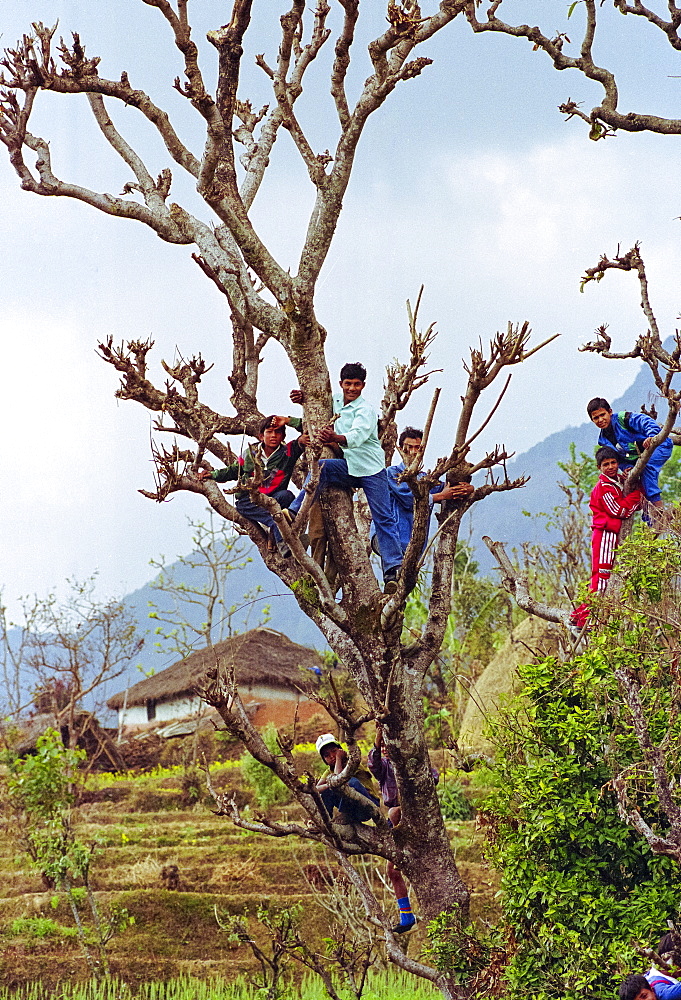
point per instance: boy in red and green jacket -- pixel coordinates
(277, 460)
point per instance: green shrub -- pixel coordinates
(454, 804)
(268, 789)
(581, 890)
(39, 927)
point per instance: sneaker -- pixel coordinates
(403, 928)
(289, 515)
(390, 581)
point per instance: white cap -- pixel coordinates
(326, 740)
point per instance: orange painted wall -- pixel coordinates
(282, 713)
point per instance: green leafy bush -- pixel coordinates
(454, 803)
(268, 789)
(39, 927)
(580, 888)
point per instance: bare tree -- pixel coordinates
(267, 301)
(197, 608)
(664, 365)
(71, 648)
(576, 51)
(13, 642)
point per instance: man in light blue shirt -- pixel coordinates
(355, 430)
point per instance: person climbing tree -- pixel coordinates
(628, 434)
(609, 507)
(276, 462)
(355, 430)
(384, 773)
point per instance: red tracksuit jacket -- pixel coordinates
(609, 506)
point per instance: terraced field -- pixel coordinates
(172, 868)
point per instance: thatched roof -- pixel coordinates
(261, 656)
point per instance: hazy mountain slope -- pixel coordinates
(500, 516)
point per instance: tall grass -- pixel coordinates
(393, 984)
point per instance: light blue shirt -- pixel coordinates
(358, 423)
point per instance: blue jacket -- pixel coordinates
(403, 501)
(663, 986)
(627, 430)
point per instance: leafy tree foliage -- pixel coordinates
(268, 789)
(40, 791)
(670, 478)
(578, 767)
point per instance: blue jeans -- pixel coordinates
(649, 477)
(354, 811)
(334, 472)
(254, 512)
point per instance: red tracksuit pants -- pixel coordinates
(603, 546)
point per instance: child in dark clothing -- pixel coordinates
(609, 506)
(380, 766)
(349, 810)
(655, 985)
(382, 770)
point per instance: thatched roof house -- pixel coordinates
(273, 675)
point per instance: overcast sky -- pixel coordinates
(468, 181)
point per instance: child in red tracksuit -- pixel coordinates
(609, 507)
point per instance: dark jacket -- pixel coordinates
(277, 468)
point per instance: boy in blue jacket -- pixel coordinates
(629, 434)
(402, 497)
(655, 985)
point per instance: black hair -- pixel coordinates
(353, 369)
(632, 986)
(670, 945)
(598, 403)
(410, 432)
(265, 423)
(604, 453)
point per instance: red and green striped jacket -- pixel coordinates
(277, 468)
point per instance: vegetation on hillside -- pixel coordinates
(584, 823)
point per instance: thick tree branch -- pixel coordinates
(604, 119)
(518, 587)
(342, 61)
